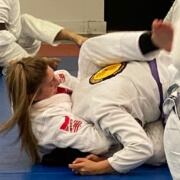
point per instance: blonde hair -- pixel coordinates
(23, 78)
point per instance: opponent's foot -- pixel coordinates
(162, 34)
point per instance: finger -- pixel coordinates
(91, 157)
(75, 171)
(78, 160)
(12, 62)
(76, 166)
(58, 60)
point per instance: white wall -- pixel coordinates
(80, 16)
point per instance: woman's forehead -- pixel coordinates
(49, 75)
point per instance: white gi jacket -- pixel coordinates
(173, 14)
(172, 103)
(114, 103)
(24, 33)
(54, 125)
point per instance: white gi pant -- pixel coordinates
(33, 32)
(111, 48)
(172, 134)
(171, 104)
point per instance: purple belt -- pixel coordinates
(155, 74)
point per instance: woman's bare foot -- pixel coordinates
(65, 34)
(162, 34)
(79, 40)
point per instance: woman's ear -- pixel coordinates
(33, 97)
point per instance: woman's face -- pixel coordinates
(49, 86)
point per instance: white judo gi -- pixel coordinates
(172, 133)
(129, 95)
(23, 34)
(173, 14)
(54, 125)
(172, 103)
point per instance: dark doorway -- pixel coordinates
(134, 14)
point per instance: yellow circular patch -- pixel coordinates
(107, 72)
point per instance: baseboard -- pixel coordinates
(84, 27)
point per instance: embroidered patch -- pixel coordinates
(107, 72)
(70, 125)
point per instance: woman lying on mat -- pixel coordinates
(21, 35)
(124, 113)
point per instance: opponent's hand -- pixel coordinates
(85, 166)
(52, 62)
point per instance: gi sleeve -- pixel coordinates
(116, 117)
(67, 79)
(4, 11)
(137, 146)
